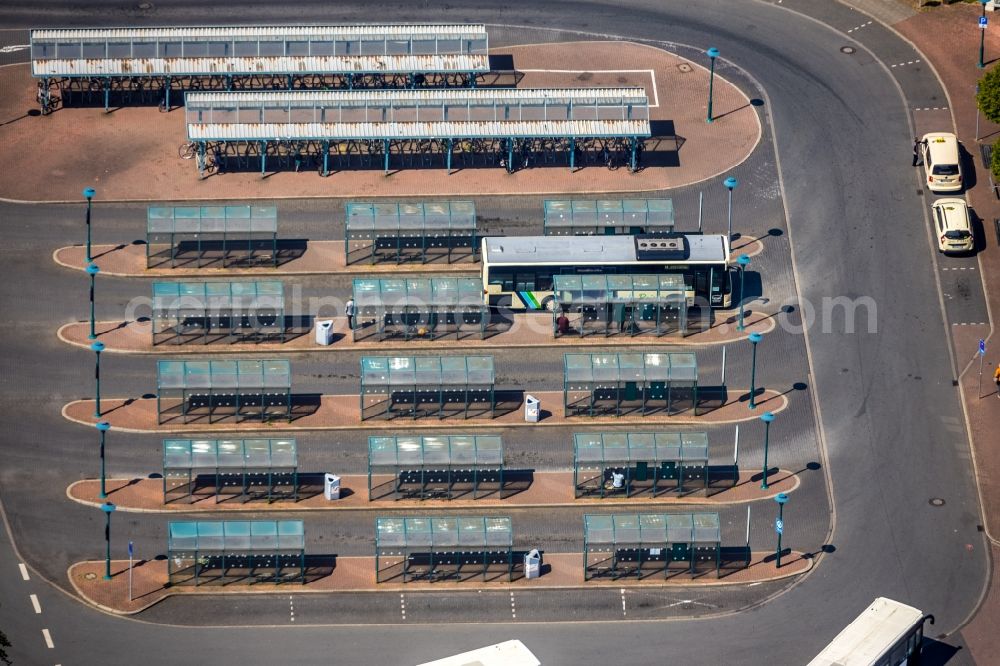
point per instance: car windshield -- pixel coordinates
(945, 170)
(957, 235)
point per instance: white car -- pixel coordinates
(942, 163)
(954, 229)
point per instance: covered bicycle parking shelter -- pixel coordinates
(217, 391)
(632, 305)
(507, 127)
(217, 552)
(624, 545)
(419, 308)
(248, 469)
(444, 548)
(207, 312)
(427, 386)
(608, 464)
(605, 217)
(435, 467)
(411, 232)
(121, 66)
(647, 383)
(202, 236)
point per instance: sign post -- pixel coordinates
(130, 571)
(982, 353)
(982, 35)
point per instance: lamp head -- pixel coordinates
(781, 498)
(712, 53)
(89, 193)
(755, 337)
(97, 346)
(93, 269)
(767, 417)
(731, 183)
(743, 260)
(103, 426)
(108, 507)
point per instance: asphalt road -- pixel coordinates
(887, 406)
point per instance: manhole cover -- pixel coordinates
(936, 501)
(849, 50)
(684, 67)
(89, 576)
(145, 5)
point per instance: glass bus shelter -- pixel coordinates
(434, 467)
(216, 391)
(621, 545)
(195, 469)
(221, 552)
(427, 386)
(640, 462)
(443, 548)
(217, 236)
(621, 304)
(411, 232)
(218, 312)
(419, 308)
(608, 217)
(644, 383)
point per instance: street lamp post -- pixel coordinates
(89, 194)
(754, 338)
(92, 271)
(766, 417)
(108, 508)
(982, 34)
(97, 348)
(730, 184)
(712, 54)
(743, 261)
(779, 526)
(103, 428)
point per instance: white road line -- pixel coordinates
(652, 76)
(14, 48)
(34, 603)
(513, 609)
(48, 638)
(858, 27)
(402, 605)
(24, 571)
(623, 601)
(291, 608)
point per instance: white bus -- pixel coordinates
(508, 653)
(518, 270)
(888, 633)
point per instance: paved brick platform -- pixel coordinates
(357, 574)
(132, 152)
(340, 412)
(547, 489)
(526, 330)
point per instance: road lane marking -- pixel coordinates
(513, 609)
(48, 638)
(858, 27)
(623, 602)
(402, 605)
(13, 48)
(34, 603)
(24, 571)
(291, 607)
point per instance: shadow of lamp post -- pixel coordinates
(754, 339)
(92, 271)
(779, 526)
(766, 417)
(743, 261)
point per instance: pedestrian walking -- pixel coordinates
(917, 145)
(350, 311)
(996, 379)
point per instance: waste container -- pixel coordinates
(331, 486)
(533, 564)
(532, 406)
(324, 332)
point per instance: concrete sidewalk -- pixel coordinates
(357, 574)
(341, 412)
(546, 489)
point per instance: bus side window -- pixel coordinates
(503, 277)
(524, 281)
(700, 281)
(543, 280)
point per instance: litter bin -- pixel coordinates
(331, 486)
(533, 564)
(324, 332)
(532, 406)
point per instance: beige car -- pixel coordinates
(954, 230)
(942, 164)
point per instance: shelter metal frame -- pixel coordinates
(211, 235)
(435, 467)
(443, 548)
(411, 232)
(650, 462)
(145, 65)
(612, 304)
(235, 551)
(651, 382)
(218, 311)
(580, 217)
(426, 386)
(507, 127)
(246, 468)
(223, 390)
(419, 308)
(621, 545)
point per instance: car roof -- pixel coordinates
(943, 147)
(954, 212)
